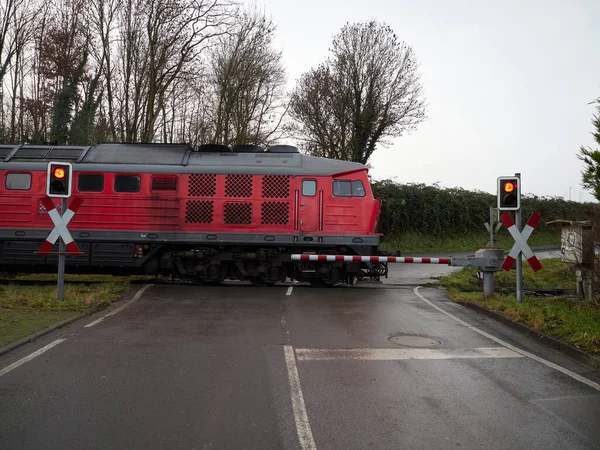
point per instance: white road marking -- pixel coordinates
(289, 291)
(300, 415)
(394, 354)
(30, 357)
(561, 369)
(120, 308)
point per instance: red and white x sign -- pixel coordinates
(521, 241)
(60, 226)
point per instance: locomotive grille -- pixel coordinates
(199, 211)
(238, 186)
(202, 185)
(42, 209)
(276, 186)
(237, 213)
(275, 213)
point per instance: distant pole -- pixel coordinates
(518, 221)
(491, 226)
(570, 193)
(62, 257)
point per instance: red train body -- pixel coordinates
(210, 213)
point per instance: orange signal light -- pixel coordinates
(509, 187)
(59, 172)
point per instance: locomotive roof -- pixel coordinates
(173, 158)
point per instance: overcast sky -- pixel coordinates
(508, 84)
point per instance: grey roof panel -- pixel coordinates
(171, 154)
(289, 163)
(177, 158)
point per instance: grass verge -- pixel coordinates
(419, 243)
(27, 309)
(575, 321)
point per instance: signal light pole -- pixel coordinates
(59, 178)
(519, 224)
(509, 199)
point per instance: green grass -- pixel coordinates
(412, 242)
(92, 278)
(554, 274)
(27, 309)
(572, 320)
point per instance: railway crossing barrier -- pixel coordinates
(489, 261)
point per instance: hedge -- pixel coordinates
(438, 211)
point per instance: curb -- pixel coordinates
(580, 355)
(38, 334)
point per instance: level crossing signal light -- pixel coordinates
(509, 193)
(58, 179)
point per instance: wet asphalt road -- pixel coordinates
(206, 368)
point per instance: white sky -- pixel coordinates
(508, 84)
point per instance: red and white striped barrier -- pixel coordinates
(373, 259)
(521, 241)
(60, 226)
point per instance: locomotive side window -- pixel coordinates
(127, 183)
(309, 188)
(342, 188)
(358, 190)
(18, 181)
(90, 182)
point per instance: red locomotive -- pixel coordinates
(208, 213)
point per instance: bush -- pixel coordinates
(432, 210)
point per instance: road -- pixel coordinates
(294, 367)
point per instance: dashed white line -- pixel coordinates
(35, 354)
(561, 369)
(305, 436)
(395, 354)
(289, 291)
(120, 308)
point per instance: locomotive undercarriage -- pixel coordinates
(261, 266)
(264, 267)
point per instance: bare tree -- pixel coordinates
(368, 90)
(17, 29)
(178, 31)
(102, 18)
(247, 79)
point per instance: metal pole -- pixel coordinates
(62, 256)
(518, 221)
(488, 283)
(491, 226)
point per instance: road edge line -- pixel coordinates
(547, 363)
(556, 344)
(137, 295)
(303, 430)
(31, 356)
(38, 334)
